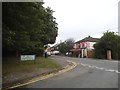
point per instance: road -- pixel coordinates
(88, 73)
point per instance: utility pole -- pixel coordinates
(119, 18)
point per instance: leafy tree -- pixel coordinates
(109, 41)
(66, 46)
(27, 27)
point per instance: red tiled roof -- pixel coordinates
(90, 39)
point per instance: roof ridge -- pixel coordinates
(89, 38)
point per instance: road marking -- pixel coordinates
(67, 68)
(109, 61)
(100, 68)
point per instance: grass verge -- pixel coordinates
(11, 65)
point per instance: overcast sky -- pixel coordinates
(80, 18)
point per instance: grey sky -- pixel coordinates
(79, 18)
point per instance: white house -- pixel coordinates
(84, 47)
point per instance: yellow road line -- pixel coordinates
(67, 68)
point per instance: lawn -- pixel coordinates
(15, 65)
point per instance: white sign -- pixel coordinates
(27, 57)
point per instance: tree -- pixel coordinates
(109, 41)
(66, 46)
(27, 27)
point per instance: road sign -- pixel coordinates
(27, 57)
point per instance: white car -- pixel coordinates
(55, 52)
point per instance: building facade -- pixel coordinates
(84, 48)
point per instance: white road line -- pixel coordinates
(110, 61)
(100, 68)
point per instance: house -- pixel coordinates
(54, 50)
(84, 48)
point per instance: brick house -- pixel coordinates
(84, 48)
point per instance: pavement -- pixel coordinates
(77, 73)
(65, 65)
(87, 74)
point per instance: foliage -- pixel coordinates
(27, 27)
(109, 41)
(66, 46)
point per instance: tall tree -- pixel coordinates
(27, 27)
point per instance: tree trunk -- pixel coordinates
(17, 53)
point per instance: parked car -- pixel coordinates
(55, 52)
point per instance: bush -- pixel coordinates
(109, 41)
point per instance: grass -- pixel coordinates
(15, 65)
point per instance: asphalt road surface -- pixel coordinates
(88, 73)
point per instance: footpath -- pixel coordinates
(41, 74)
